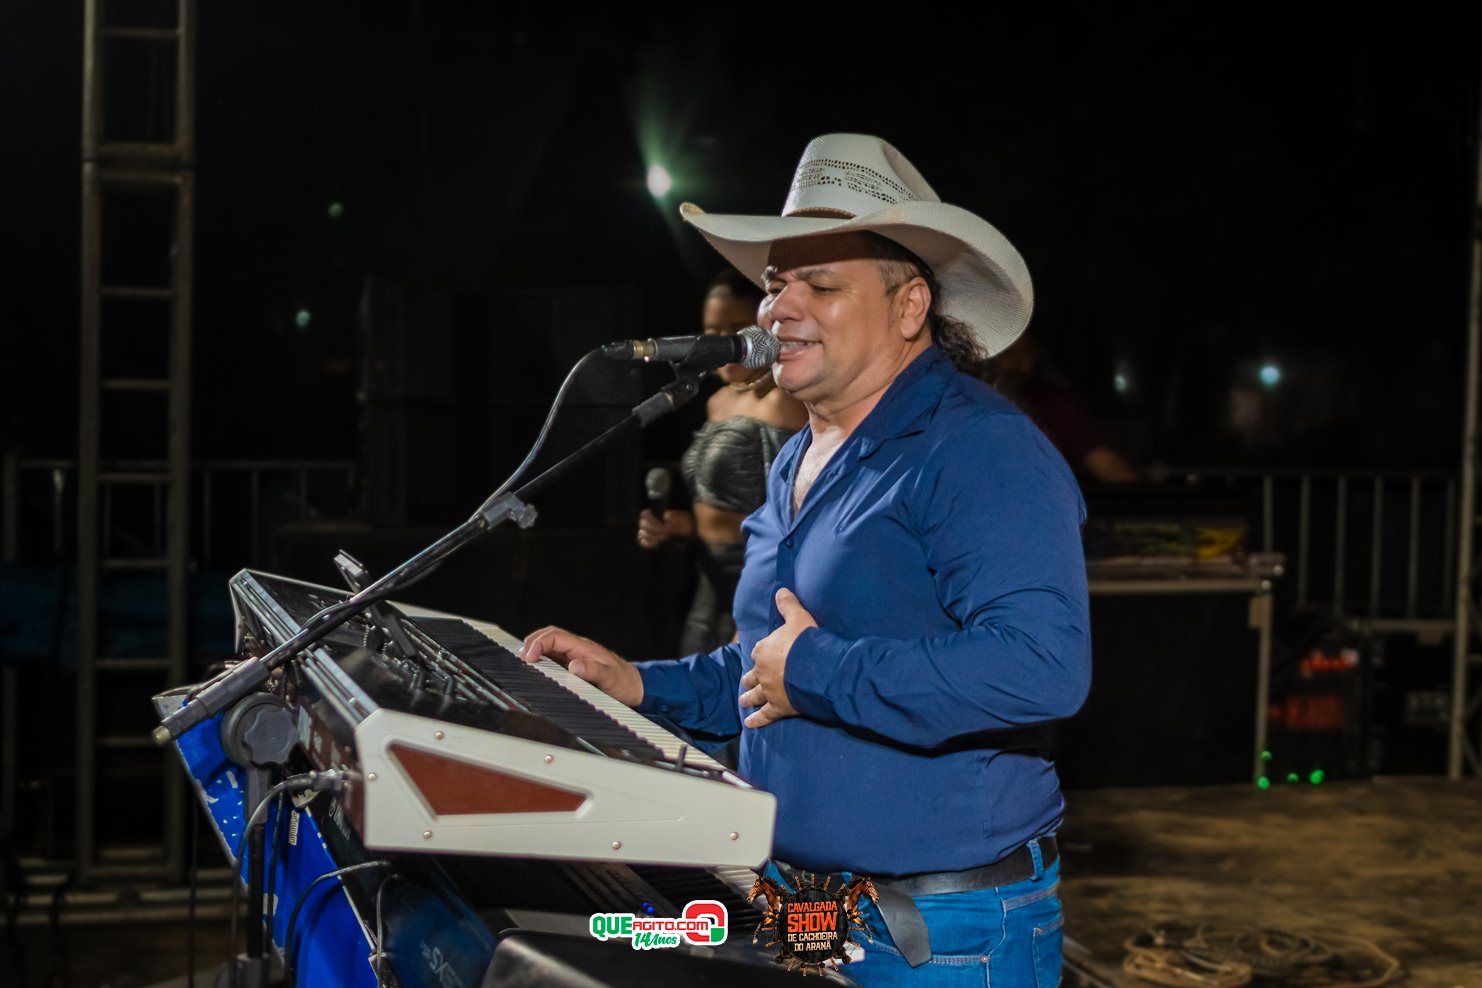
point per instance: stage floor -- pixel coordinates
(1396, 861)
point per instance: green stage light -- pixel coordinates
(659, 182)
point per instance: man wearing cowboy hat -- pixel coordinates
(913, 607)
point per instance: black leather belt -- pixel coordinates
(1016, 867)
(902, 918)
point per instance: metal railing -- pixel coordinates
(236, 504)
(1378, 547)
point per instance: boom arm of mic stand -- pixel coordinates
(245, 677)
(686, 385)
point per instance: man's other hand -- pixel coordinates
(585, 659)
(654, 531)
(763, 682)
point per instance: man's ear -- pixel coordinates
(913, 301)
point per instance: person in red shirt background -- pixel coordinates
(1020, 374)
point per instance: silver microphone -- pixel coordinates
(753, 347)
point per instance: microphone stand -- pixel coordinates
(246, 676)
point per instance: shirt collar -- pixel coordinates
(909, 401)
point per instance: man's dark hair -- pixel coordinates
(897, 266)
(731, 282)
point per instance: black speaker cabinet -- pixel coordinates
(1172, 697)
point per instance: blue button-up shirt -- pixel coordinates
(940, 553)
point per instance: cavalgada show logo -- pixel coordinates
(703, 922)
(813, 924)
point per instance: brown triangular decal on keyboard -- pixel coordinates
(452, 787)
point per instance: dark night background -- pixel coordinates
(1195, 194)
(458, 192)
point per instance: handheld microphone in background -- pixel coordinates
(657, 484)
(753, 347)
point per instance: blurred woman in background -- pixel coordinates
(725, 467)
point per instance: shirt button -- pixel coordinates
(787, 541)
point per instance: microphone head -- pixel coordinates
(761, 348)
(656, 484)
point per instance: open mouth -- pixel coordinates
(793, 346)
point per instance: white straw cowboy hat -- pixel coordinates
(855, 182)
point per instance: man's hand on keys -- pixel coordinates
(585, 659)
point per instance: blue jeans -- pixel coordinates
(1004, 937)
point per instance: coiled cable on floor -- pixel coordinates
(1210, 956)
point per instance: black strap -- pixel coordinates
(903, 920)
